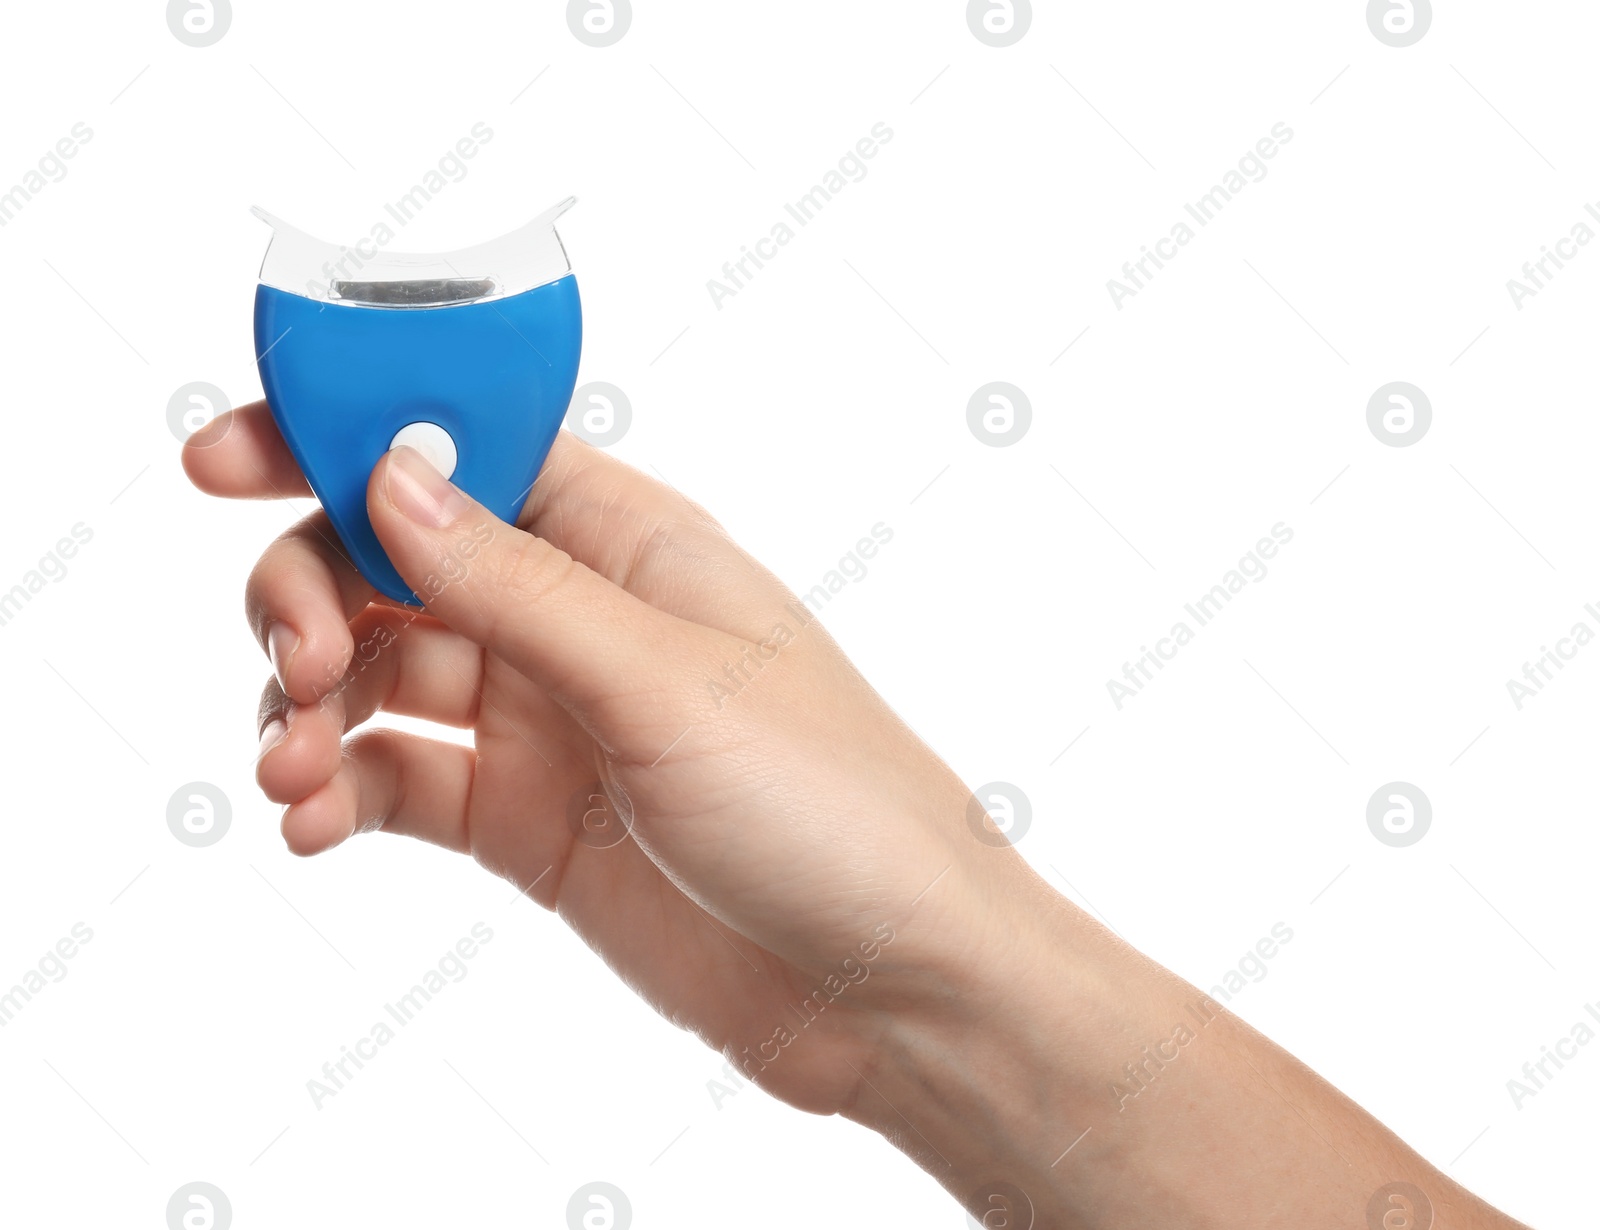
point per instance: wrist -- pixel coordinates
(992, 1074)
(1060, 1078)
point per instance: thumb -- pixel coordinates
(585, 641)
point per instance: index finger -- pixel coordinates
(241, 455)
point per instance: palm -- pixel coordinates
(539, 816)
(770, 836)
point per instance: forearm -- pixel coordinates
(1112, 1094)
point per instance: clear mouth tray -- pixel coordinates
(470, 357)
(365, 275)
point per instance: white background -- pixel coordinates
(828, 395)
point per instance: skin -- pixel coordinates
(673, 755)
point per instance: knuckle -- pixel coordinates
(533, 574)
(536, 572)
(283, 567)
(378, 743)
(255, 595)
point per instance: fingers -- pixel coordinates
(299, 600)
(403, 663)
(388, 780)
(241, 454)
(299, 750)
(409, 664)
(621, 523)
(585, 641)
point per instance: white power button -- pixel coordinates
(432, 441)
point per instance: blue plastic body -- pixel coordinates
(341, 380)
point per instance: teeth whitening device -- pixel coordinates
(470, 357)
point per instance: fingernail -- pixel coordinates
(271, 736)
(212, 432)
(421, 492)
(282, 641)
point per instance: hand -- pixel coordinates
(618, 657)
(783, 867)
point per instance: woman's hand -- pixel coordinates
(672, 753)
(622, 664)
